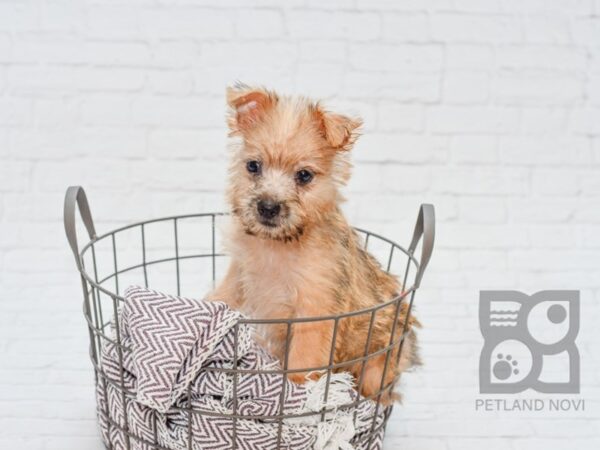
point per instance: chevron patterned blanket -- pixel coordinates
(173, 390)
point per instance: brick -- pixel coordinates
(589, 182)
(4, 143)
(541, 211)
(555, 182)
(589, 236)
(569, 59)
(175, 143)
(370, 57)
(469, 56)
(585, 30)
(404, 207)
(19, 16)
(406, 27)
(474, 149)
(408, 5)
(543, 120)
(111, 142)
(103, 175)
(247, 54)
(31, 49)
(170, 82)
(415, 443)
(550, 444)
(2, 79)
(398, 178)
(117, 53)
(411, 149)
(56, 112)
(483, 259)
(397, 117)
(111, 79)
(596, 150)
(547, 30)
(482, 210)
(58, 144)
(36, 80)
(587, 212)
(310, 78)
(175, 54)
(353, 26)
(473, 6)
(558, 279)
(186, 22)
(545, 151)
(29, 79)
(533, 89)
(554, 259)
(407, 86)
(452, 428)
(482, 181)
(365, 178)
(116, 21)
(60, 16)
(15, 111)
(462, 28)
(448, 119)
(553, 236)
(259, 24)
(333, 4)
(466, 87)
(585, 121)
(469, 443)
(592, 91)
(14, 176)
(322, 51)
(181, 175)
(184, 112)
(6, 54)
(44, 143)
(540, 6)
(105, 110)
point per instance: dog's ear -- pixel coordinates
(340, 131)
(247, 106)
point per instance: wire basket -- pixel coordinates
(180, 254)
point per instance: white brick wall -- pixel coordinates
(488, 108)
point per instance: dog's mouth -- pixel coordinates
(269, 223)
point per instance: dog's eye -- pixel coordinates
(253, 166)
(304, 176)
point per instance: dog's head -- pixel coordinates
(290, 162)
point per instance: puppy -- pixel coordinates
(293, 253)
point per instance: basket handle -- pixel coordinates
(75, 196)
(425, 227)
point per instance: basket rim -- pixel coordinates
(372, 309)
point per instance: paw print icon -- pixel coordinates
(529, 342)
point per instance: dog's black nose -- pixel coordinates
(268, 208)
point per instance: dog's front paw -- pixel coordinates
(298, 377)
(303, 377)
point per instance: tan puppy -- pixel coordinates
(293, 253)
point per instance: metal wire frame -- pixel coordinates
(95, 287)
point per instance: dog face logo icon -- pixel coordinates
(529, 342)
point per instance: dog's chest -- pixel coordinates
(276, 281)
